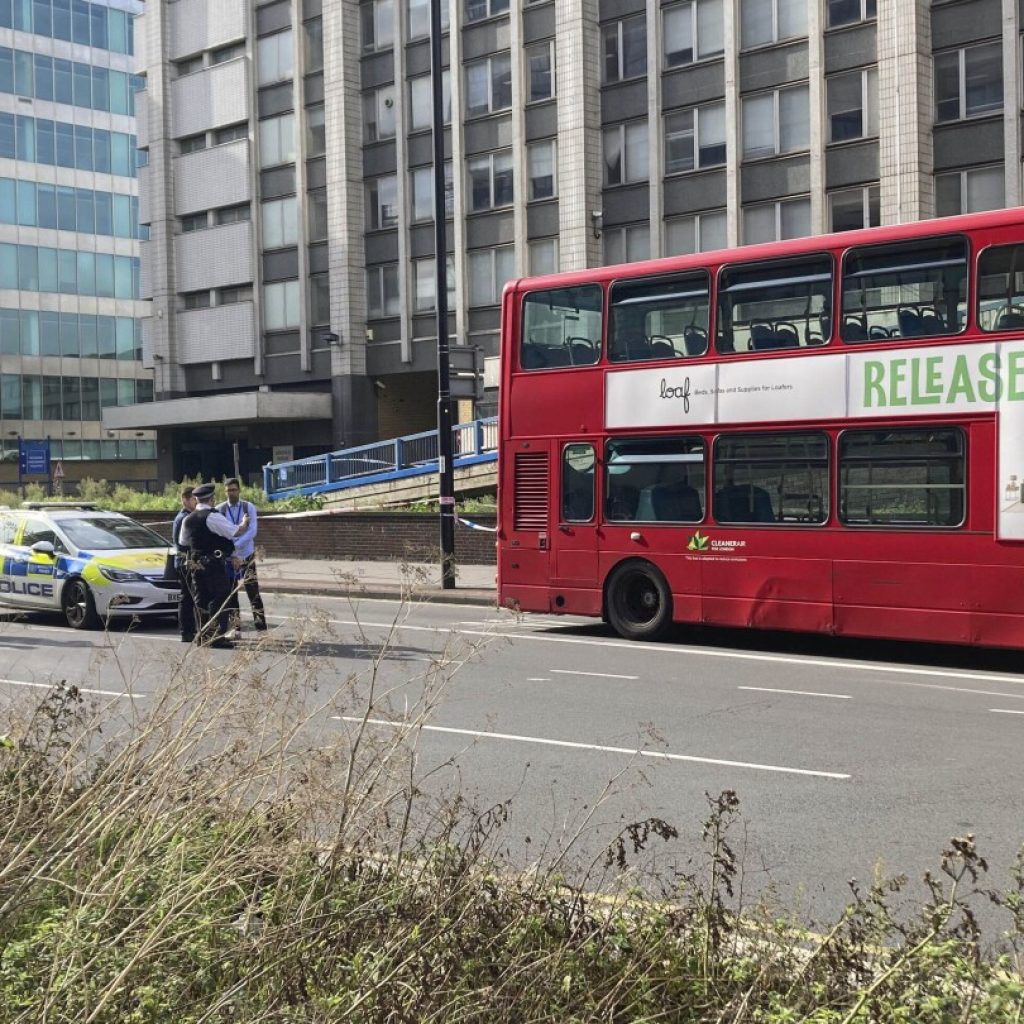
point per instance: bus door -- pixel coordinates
(524, 547)
(574, 545)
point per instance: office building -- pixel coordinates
(70, 313)
(289, 192)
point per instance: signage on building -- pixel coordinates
(34, 458)
(282, 453)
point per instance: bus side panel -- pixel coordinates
(769, 593)
(904, 624)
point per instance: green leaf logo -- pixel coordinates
(698, 542)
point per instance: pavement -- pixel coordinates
(474, 584)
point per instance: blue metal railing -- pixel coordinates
(400, 457)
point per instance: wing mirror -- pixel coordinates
(43, 547)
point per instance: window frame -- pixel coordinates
(607, 461)
(375, 205)
(963, 174)
(563, 463)
(474, 163)
(377, 273)
(868, 105)
(381, 15)
(775, 37)
(627, 177)
(489, 62)
(494, 298)
(695, 136)
(777, 150)
(865, 14)
(698, 232)
(671, 11)
(777, 204)
(618, 26)
(529, 51)
(917, 527)
(961, 53)
(977, 312)
(826, 494)
(866, 203)
(531, 148)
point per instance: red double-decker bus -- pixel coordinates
(824, 434)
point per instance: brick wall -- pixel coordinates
(371, 536)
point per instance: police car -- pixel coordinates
(86, 563)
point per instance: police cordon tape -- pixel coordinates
(476, 526)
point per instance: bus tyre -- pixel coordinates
(78, 606)
(639, 603)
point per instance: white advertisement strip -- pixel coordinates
(913, 382)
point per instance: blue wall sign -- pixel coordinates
(34, 458)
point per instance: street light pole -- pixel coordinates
(446, 471)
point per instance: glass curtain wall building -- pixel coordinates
(70, 307)
(289, 184)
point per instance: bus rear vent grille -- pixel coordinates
(530, 511)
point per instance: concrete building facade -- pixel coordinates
(288, 185)
(70, 311)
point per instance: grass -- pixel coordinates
(236, 853)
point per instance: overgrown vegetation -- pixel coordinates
(252, 849)
(125, 499)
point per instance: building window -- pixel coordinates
(382, 203)
(625, 153)
(232, 296)
(424, 286)
(316, 136)
(281, 305)
(768, 21)
(274, 61)
(423, 192)
(234, 214)
(489, 85)
(853, 105)
(193, 222)
(970, 191)
(770, 222)
(854, 208)
(225, 53)
(489, 269)
(540, 162)
(776, 122)
(624, 45)
(280, 219)
(490, 181)
(319, 300)
(418, 19)
(313, 37)
(277, 141)
(316, 214)
(421, 101)
(477, 10)
(702, 232)
(378, 25)
(692, 32)
(969, 82)
(540, 64)
(188, 66)
(848, 12)
(382, 298)
(627, 244)
(379, 114)
(196, 300)
(192, 144)
(544, 256)
(230, 134)
(695, 138)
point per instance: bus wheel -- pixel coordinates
(639, 602)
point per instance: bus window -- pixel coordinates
(655, 480)
(578, 464)
(785, 304)
(902, 477)
(908, 290)
(561, 327)
(771, 478)
(661, 318)
(1001, 288)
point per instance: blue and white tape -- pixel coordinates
(476, 526)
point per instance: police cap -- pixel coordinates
(204, 491)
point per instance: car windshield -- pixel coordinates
(108, 534)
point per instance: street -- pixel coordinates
(844, 755)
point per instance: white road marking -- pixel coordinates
(538, 679)
(705, 652)
(595, 675)
(800, 693)
(81, 689)
(1005, 711)
(600, 748)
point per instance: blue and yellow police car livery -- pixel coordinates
(84, 562)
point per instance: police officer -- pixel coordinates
(207, 537)
(187, 606)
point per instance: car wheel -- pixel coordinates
(78, 606)
(639, 603)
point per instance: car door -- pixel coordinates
(31, 572)
(9, 559)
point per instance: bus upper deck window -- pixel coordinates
(782, 304)
(908, 290)
(561, 328)
(1001, 288)
(659, 318)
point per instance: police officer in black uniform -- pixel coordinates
(186, 607)
(207, 537)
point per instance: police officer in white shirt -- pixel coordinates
(242, 515)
